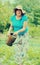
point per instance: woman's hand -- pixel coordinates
(15, 33)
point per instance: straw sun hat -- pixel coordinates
(20, 8)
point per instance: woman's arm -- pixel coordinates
(23, 29)
(10, 29)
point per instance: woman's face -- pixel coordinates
(18, 12)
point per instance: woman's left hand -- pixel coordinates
(15, 33)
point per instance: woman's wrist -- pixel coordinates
(16, 33)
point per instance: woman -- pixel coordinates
(20, 29)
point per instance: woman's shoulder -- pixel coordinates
(12, 17)
(25, 17)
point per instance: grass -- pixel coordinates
(7, 53)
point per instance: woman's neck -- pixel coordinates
(18, 17)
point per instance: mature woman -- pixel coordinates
(20, 29)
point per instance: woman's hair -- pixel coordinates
(20, 10)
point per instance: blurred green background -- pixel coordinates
(32, 8)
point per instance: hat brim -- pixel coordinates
(23, 11)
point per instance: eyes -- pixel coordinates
(18, 11)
